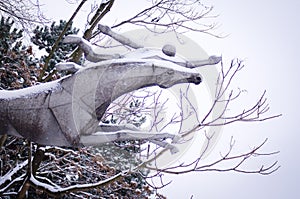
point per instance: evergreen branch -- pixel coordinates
(55, 46)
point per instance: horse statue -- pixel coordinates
(67, 111)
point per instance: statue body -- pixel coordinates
(45, 113)
(66, 111)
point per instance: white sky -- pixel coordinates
(266, 35)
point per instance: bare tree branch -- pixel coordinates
(195, 167)
(24, 12)
(172, 15)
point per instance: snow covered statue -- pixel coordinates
(66, 112)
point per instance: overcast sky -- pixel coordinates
(266, 35)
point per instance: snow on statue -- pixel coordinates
(66, 112)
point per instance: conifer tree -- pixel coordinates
(45, 37)
(18, 67)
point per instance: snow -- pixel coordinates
(68, 66)
(154, 56)
(149, 62)
(8, 176)
(100, 137)
(58, 189)
(147, 55)
(60, 149)
(73, 177)
(129, 134)
(104, 1)
(18, 179)
(44, 87)
(148, 52)
(73, 39)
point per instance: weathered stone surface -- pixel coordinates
(60, 115)
(169, 50)
(64, 111)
